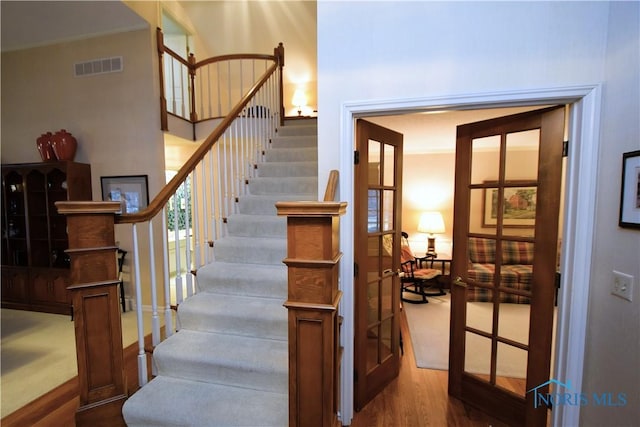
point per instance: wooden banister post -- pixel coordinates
(96, 310)
(193, 116)
(278, 52)
(313, 254)
(164, 117)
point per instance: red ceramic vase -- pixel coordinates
(43, 142)
(64, 145)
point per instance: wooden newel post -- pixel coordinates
(313, 254)
(96, 310)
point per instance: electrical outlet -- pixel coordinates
(622, 285)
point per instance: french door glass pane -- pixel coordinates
(511, 366)
(389, 166)
(477, 357)
(374, 163)
(485, 159)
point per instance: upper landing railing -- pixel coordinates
(202, 90)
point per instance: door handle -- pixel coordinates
(458, 282)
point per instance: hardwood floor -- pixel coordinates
(418, 398)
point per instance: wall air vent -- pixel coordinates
(98, 66)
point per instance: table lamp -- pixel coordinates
(431, 223)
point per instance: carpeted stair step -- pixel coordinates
(242, 225)
(291, 154)
(239, 361)
(288, 169)
(238, 315)
(266, 205)
(240, 279)
(283, 185)
(299, 130)
(250, 250)
(168, 401)
(309, 141)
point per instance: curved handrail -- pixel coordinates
(168, 190)
(235, 56)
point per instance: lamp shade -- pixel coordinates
(299, 98)
(431, 222)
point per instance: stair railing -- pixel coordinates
(313, 297)
(196, 91)
(214, 178)
(207, 188)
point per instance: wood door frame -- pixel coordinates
(578, 231)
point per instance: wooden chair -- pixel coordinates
(121, 254)
(418, 274)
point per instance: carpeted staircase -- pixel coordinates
(228, 364)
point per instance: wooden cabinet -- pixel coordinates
(35, 267)
(14, 286)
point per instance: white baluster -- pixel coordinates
(219, 179)
(168, 317)
(205, 213)
(142, 357)
(176, 234)
(196, 216)
(155, 320)
(187, 226)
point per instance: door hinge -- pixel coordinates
(355, 270)
(565, 148)
(356, 157)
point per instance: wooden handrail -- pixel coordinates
(168, 190)
(234, 56)
(332, 186)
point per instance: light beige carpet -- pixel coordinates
(38, 353)
(429, 329)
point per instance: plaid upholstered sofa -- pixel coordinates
(515, 271)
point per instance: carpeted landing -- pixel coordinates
(228, 364)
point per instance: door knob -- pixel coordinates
(458, 282)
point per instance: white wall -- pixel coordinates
(109, 114)
(115, 117)
(613, 344)
(409, 50)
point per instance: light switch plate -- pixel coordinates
(622, 285)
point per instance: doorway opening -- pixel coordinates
(577, 230)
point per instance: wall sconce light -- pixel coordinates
(299, 100)
(431, 223)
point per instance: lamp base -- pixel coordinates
(431, 246)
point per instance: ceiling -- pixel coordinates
(28, 24)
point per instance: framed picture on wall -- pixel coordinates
(630, 192)
(131, 191)
(519, 207)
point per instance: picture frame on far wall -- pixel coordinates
(131, 190)
(519, 204)
(630, 191)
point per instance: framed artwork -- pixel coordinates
(131, 191)
(519, 207)
(630, 192)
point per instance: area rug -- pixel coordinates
(429, 329)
